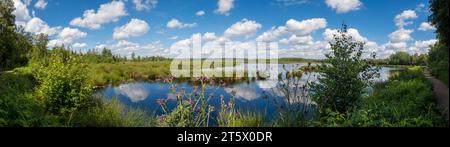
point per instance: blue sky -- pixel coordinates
(153, 27)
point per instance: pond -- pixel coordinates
(252, 95)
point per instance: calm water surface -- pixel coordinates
(250, 95)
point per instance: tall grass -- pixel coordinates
(115, 73)
(113, 114)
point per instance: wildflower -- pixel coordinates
(191, 102)
(161, 101)
(222, 83)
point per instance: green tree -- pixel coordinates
(39, 50)
(438, 55)
(14, 42)
(439, 18)
(344, 75)
(133, 56)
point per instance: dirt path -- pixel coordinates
(441, 92)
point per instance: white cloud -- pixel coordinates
(298, 40)
(344, 6)
(422, 47)
(292, 2)
(176, 24)
(401, 35)
(272, 34)
(145, 4)
(305, 27)
(329, 35)
(174, 37)
(224, 7)
(41, 4)
(66, 37)
(109, 12)
(401, 20)
(425, 26)
(208, 36)
(79, 45)
(134, 28)
(421, 8)
(71, 34)
(244, 27)
(37, 26)
(21, 12)
(200, 13)
(126, 48)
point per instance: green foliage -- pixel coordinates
(438, 62)
(64, 86)
(108, 73)
(112, 114)
(18, 106)
(439, 18)
(344, 75)
(192, 109)
(438, 55)
(403, 58)
(406, 101)
(14, 42)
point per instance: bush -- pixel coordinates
(18, 105)
(344, 75)
(406, 101)
(64, 83)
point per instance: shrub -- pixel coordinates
(64, 83)
(344, 75)
(18, 105)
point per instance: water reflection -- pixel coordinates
(250, 95)
(244, 92)
(136, 92)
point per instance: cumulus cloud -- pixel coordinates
(224, 7)
(305, 27)
(329, 35)
(273, 34)
(401, 20)
(66, 37)
(134, 28)
(79, 45)
(21, 12)
(41, 4)
(145, 4)
(176, 24)
(126, 48)
(200, 13)
(208, 36)
(37, 26)
(109, 12)
(298, 40)
(425, 26)
(401, 35)
(244, 27)
(344, 6)
(422, 46)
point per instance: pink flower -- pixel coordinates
(161, 102)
